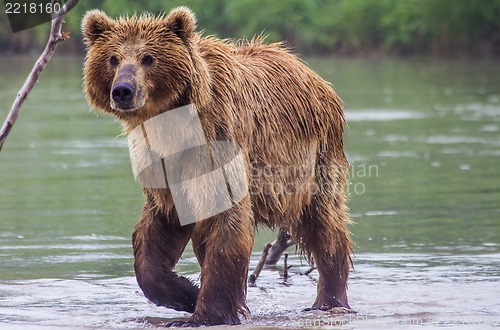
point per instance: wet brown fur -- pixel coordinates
(287, 120)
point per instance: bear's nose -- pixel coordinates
(123, 93)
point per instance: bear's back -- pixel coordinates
(285, 99)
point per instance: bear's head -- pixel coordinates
(141, 66)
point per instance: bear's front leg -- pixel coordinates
(158, 243)
(227, 244)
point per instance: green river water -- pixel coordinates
(424, 146)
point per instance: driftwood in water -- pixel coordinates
(279, 246)
(260, 265)
(311, 268)
(285, 270)
(271, 255)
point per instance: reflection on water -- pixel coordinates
(423, 144)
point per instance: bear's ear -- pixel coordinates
(94, 24)
(182, 22)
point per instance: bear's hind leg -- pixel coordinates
(322, 234)
(158, 243)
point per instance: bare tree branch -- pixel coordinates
(282, 242)
(260, 265)
(56, 36)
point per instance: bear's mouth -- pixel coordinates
(124, 108)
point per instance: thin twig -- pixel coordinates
(309, 271)
(285, 271)
(312, 267)
(56, 36)
(260, 265)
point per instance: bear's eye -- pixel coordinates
(113, 60)
(147, 60)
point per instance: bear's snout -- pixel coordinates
(123, 94)
(126, 91)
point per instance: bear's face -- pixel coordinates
(139, 65)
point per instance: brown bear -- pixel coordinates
(288, 123)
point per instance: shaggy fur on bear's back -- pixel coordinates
(285, 118)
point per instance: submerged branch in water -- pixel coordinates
(285, 270)
(309, 271)
(271, 254)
